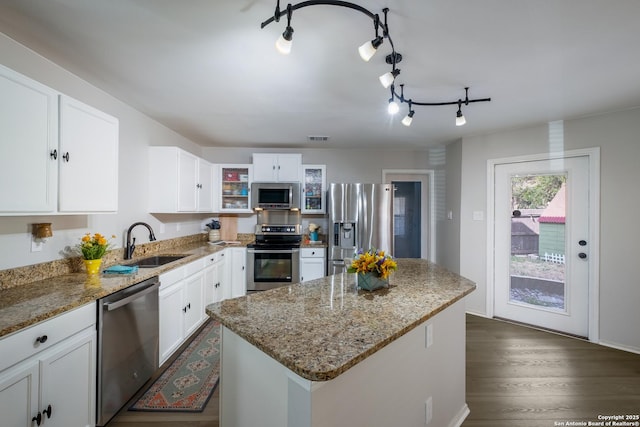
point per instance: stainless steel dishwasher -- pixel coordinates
(127, 345)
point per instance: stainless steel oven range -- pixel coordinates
(274, 259)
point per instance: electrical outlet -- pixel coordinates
(428, 410)
(36, 244)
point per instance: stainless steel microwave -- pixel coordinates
(275, 195)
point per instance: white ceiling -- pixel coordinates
(205, 68)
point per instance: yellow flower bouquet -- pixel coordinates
(94, 247)
(373, 268)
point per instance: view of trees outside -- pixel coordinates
(534, 191)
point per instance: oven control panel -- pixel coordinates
(278, 229)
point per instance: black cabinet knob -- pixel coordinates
(582, 243)
(54, 154)
(582, 255)
(43, 339)
(37, 419)
(47, 411)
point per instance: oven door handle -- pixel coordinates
(273, 251)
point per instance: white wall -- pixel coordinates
(618, 136)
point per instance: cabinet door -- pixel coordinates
(187, 182)
(193, 307)
(238, 272)
(311, 268)
(234, 188)
(28, 144)
(67, 382)
(264, 167)
(314, 190)
(88, 176)
(289, 167)
(19, 395)
(205, 186)
(171, 319)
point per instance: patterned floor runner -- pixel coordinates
(189, 382)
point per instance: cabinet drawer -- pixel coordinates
(170, 277)
(215, 257)
(312, 252)
(21, 345)
(194, 267)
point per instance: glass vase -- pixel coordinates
(371, 281)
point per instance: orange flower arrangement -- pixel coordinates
(94, 247)
(373, 261)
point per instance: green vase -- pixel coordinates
(371, 281)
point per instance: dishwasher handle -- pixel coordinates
(113, 305)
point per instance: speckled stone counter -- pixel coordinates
(27, 304)
(323, 327)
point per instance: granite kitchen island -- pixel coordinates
(323, 353)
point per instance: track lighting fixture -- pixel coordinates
(387, 78)
(367, 51)
(409, 117)
(393, 107)
(284, 42)
(460, 120)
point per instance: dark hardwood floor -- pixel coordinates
(519, 376)
(516, 377)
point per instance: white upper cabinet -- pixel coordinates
(280, 167)
(88, 158)
(56, 154)
(234, 188)
(179, 181)
(28, 145)
(315, 189)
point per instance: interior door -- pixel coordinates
(541, 243)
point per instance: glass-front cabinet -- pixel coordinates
(235, 188)
(314, 191)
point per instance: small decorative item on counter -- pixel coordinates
(373, 269)
(93, 248)
(214, 230)
(313, 232)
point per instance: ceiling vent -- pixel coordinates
(317, 138)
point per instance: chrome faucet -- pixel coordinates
(131, 246)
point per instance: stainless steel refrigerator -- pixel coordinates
(360, 217)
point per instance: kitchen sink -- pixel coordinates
(156, 261)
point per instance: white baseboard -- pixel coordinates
(462, 415)
(620, 347)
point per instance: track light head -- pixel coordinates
(393, 107)
(387, 78)
(408, 118)
(460, 120)
(283, 44)
(368, 49)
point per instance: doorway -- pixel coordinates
(413, 212)
(544, 243)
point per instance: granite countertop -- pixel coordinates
(323, 327)
(26, 305)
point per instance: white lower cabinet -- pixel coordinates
(312, 263)
(55, 385)
(237, 263)
(181, 306)
(214, 278)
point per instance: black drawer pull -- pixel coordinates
(37, 419)
(43, 339)
(47, 411)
